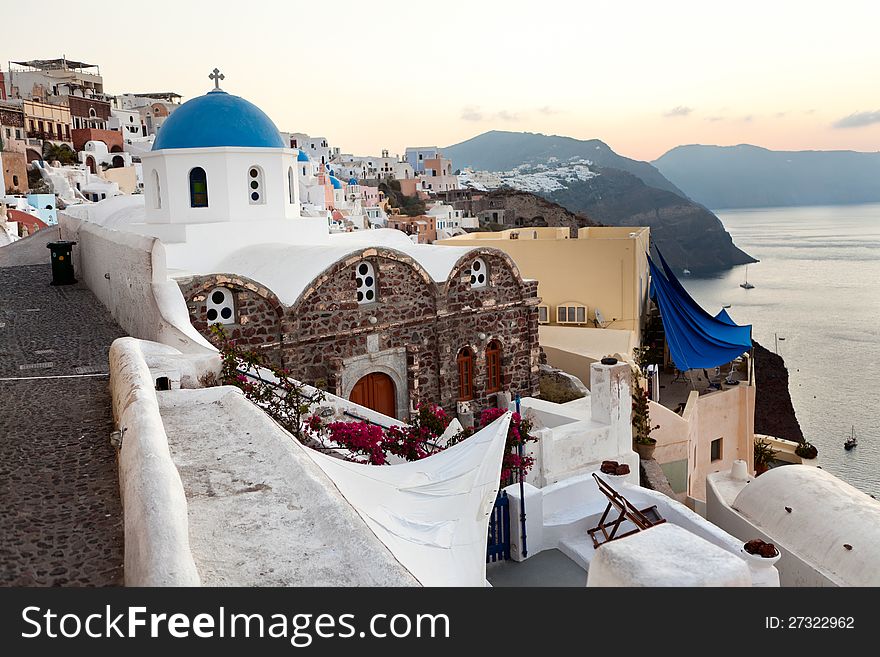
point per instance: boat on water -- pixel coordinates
(745, 284)
(852, 441)
(686, 272)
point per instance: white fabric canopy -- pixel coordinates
(432, 514)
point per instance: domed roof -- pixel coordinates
(352, 181)
(337, 184)
(303, 157)
(218, 119)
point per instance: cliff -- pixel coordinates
(774, 412)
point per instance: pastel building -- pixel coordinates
(44, 207)
(593, 287)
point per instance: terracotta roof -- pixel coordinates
(28, 219)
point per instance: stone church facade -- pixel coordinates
(461, 345)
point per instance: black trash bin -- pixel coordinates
(62, 262)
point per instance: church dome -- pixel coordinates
(337, 184)
(218, 119)
(303, 157)
(352, 181)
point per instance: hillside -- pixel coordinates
(687, 233)
(500, 150)
(525, 209)
(749, 176)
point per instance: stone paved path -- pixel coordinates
(60, 511)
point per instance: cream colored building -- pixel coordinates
(597, 280)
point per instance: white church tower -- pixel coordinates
(220, 177)
(219, 158)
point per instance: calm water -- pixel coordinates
(817, 287)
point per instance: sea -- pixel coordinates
(816, 302)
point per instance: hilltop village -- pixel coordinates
(270, 362)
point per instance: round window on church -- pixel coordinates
(479, 273)
(255, 185)
(220, 306)
(365, 278)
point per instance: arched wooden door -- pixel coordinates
(376, 391)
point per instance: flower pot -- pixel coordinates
(615, 481)
(757, 561)
(646, 450)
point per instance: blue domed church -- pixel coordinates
(368, 315)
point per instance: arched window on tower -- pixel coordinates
(157, 191)
(291, 185)
(198, 188)
(465, 375)
(493, 366)
(256, 192)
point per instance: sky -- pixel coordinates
(642, 76)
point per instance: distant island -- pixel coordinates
(748, 176)
(588, 178)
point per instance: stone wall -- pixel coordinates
(258, 312)
(413, 332)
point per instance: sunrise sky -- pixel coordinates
(642, 76)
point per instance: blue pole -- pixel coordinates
(522, 494)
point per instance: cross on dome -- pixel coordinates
(216, 76)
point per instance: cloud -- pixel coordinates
(858, 120)
(748, 118)
(780, 115)
(504, 115)
(714, 118)
(471, 113)
(679, 110)
(548, 110)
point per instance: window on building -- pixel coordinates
(220, 306)
(571, 313)
(479, 273)
(256, 193)
(543, 314)
(465, 374)
(365, 277)
(715, 450)
(493, 366)
(291, 184)
(198, 188)
(157, 191)
(15, 181)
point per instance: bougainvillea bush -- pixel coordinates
(293, 405)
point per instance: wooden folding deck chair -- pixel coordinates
(642, 519)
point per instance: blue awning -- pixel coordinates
(696, 339)
(722, 316)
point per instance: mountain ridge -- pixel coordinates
(746, 175)
(588, 177)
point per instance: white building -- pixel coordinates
(96, 154)
(126, 121)
(317, 148)
(415, 156)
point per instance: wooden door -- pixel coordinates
(376, 391)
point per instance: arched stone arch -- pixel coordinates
(391, 363)
(464, 263)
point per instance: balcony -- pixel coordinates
(46, 136)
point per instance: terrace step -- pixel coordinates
(579, 549)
